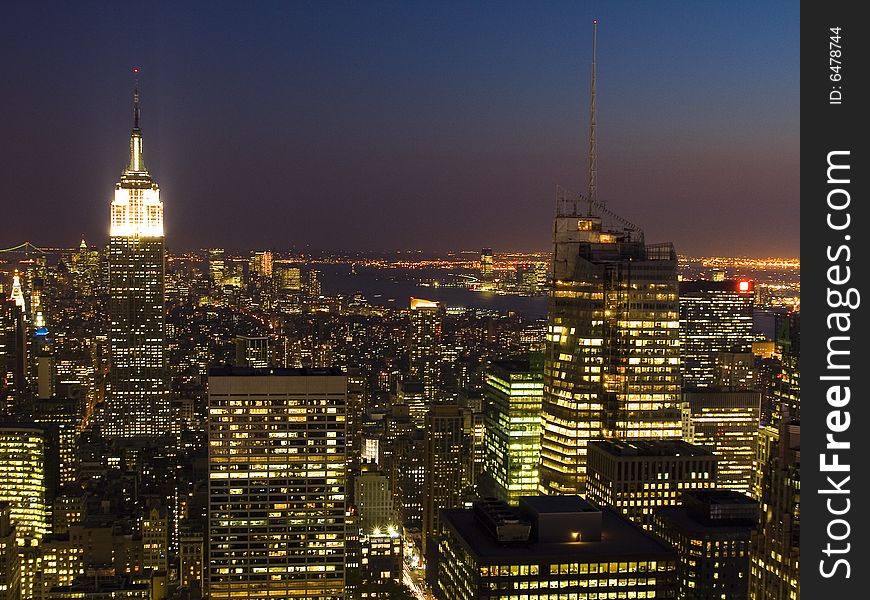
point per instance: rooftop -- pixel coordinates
(682, 519)
(703, 285)
(548, 505)
(620, 539)
(650, 448)
(265, 372)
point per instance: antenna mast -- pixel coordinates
(593, 150)
(135, 97)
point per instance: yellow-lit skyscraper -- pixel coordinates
(486, 264)
(775, 570)
(137, 400)
(512, 421)
(612, 362)
(23, 488)
(23, 480)
(10, 575)
(425, 345)
(277, 477)
(726, 422)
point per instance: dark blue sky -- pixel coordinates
(404, 125)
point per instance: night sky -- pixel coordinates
(403, 125)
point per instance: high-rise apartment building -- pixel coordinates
(635, 478)
(711, 531)
(715, 316)
(137, 399)
(775, 571)
(312, 284)
(611, 367)
(786, 392)
(10, 574)
(549, 547)
(216, 266)
(726, 422)
(24, 451)
(13, 354)
(512, 428)
(486, 264)
(448, 465)
(277, 468)
(425, 345)
(23, 484)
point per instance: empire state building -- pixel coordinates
(137, 399)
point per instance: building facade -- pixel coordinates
(549, 548)
(635, 478)
(424, 348)
(448, 465)
(715, 316)
(775, 571)
(711, 531)
(611, 367)
(512, 428)
(277, 468)
(374, 500)
(726, 422)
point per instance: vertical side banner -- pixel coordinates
(835, 268)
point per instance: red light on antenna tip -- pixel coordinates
(135, 69)
(595, 21)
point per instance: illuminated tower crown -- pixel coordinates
(136, 210)
(17, 295)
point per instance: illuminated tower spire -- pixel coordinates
(593, 150)
(136, 165)
(137, 209)
(17, 295)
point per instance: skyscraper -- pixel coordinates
(216, 266)
(715, 316)
(611, 368)
(486, 264)
(23, 480)
(277, 462)
(13, 355)
(635, 478)
(512, 421)
(448, 466)
(23, 485)
(425, 345)
(775, 570)
(727, 423)
(10, 575)
(711, 531)
(137, 400)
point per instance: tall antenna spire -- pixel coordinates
(593, 150)
(136, 163)
(135, 97)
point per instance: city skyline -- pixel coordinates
(311, 420)
(506, 127)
